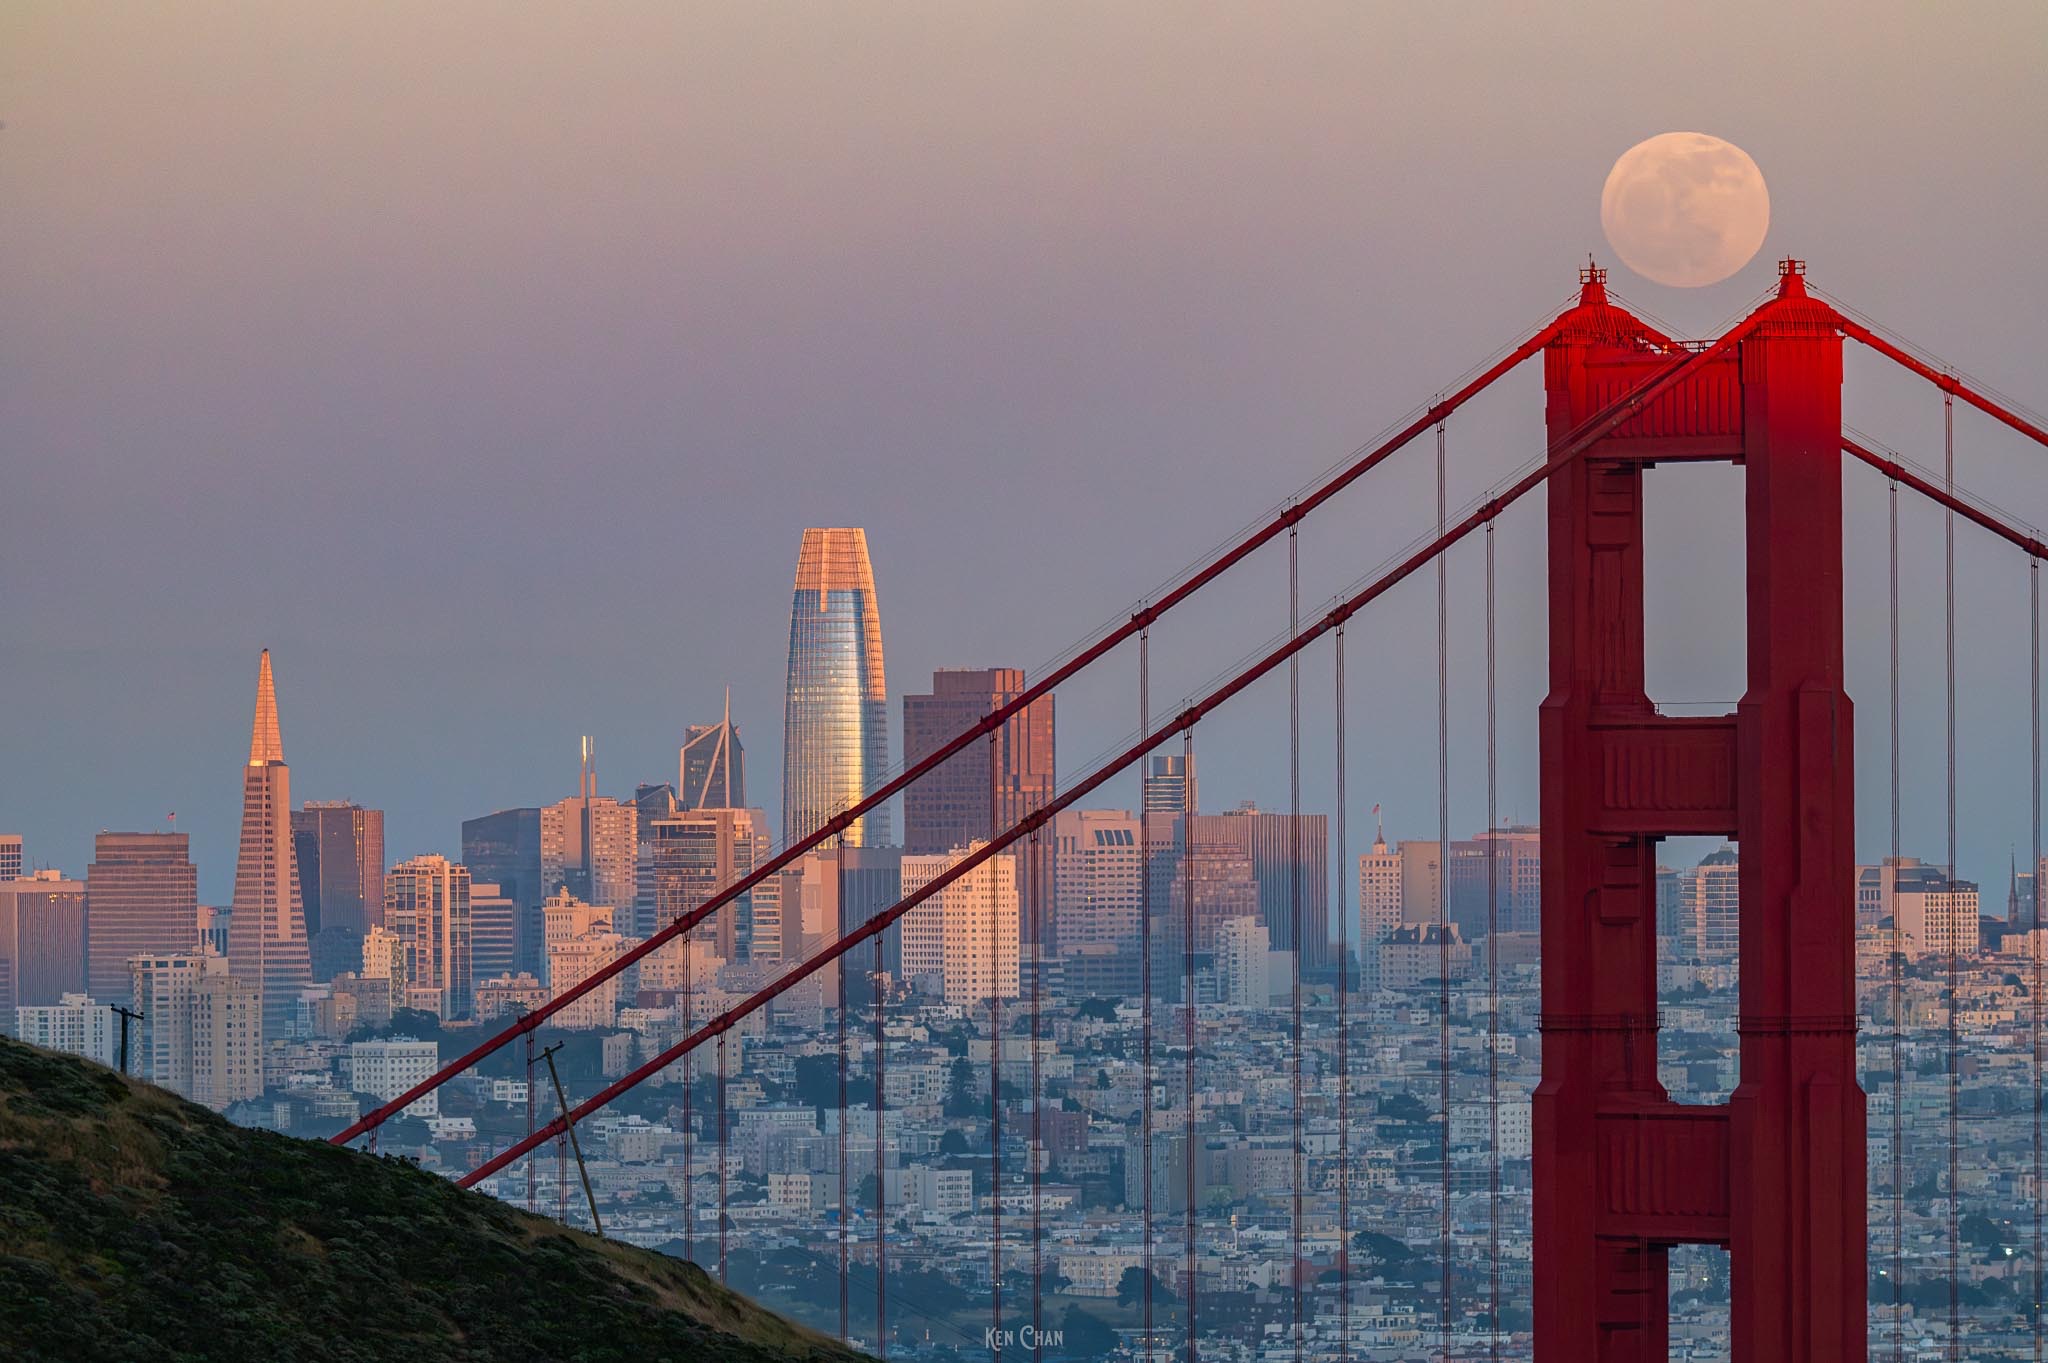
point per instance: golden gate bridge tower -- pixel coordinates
(1622, 1173)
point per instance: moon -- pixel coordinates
(1685, 209)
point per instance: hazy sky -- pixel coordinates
(486, 362)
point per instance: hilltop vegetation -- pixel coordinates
(135, 1225)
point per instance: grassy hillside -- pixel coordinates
(134, 1225)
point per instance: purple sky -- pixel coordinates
(486, 361)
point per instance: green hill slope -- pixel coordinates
(134, 1225)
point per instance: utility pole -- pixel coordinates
(574, 1145)
(127, 1016)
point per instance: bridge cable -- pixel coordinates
(881, 1075)
(1295, 940)
(1443, 899)
(1898, 977)
(724, 1188)
(1035, 911)
(1492, 977)
(1343, 1036)
(1955, 944)
(1187, 1003)
(2034, 936)
(995, 1066)
(689, 1099)
(1146, 1075)
(845, 1210)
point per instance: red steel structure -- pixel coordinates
(1621, 1173)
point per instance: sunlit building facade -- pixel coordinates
(835, 724)
(267, 932)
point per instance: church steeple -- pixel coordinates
(265, 744)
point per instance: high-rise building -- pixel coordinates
(1512, 858)
(42, 941)
(575, 959)
(73, 1024)
(1003, 780)
(1243, 973)
(650, 803)
(1225, 886)
(1932, 914)
(698, 853)
(10, 857)
(202, 1027)
(141, 899)
(588, 844)
(1379, 893)
(966, 933)
(1098, 869)
(503, 849)
(1710, 908)
(493, 920)
(267, 933)
(712, 766)
(427, 904)
(340, 847)
(1170, 784)
(835, 726)
(1290, 856)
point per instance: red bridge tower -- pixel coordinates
(1621, 1172)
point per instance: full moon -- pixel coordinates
(1685, 209)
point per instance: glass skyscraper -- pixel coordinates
(835, 719)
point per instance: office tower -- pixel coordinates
(1170, 784)
(1289, 854)
(1379, 892)
(1097, 878)
(141, 898)
(588, 844)
(340, 847)
(10, 857)
(267, 934)
(1516, 869)
(493, 919)
(650, 803)
(426, 903)
(387, 1067)
(1243, 974)
(1710, 909)
(1225, 887)
(74, 1024)
(385, 958)
(503, 849)
(1932, 914)
(575, 959)
(1421, 880)
(42, 942)
(1007, 778)
(712, 766)
(835, 725)
(696, 854)
(202, 1027)
(965, 935)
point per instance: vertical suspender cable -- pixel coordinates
(995, 1070)
(1145, 981)
(1443, 917)
(1187, 1004)
(2034, 937)
(689, 1101)
(1036, 913)
(723, 1188)
(1955, 945)
(881, 1161)
(530, 1205)
(1343, 1036)
(1299, 944)
(845, 1203)
(1492, 982)
(1889, 882)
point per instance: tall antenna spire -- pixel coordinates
(265, 744)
